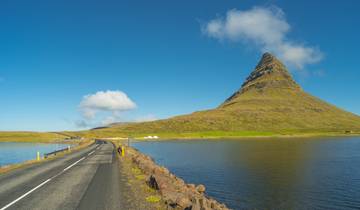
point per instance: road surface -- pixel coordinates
(86, 179)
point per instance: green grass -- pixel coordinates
(6, 136)
(153, 199)
(213, 134)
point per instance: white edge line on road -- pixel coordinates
(21, 197)
(91, 153)
(40, 185)
(67, 168)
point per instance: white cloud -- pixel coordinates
(111, 101)
(103, 108)
(267, 29)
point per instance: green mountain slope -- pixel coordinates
(269, 102)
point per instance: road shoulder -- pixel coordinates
(135, 192)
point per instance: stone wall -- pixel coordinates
(174, 191)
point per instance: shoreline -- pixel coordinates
(174, 192)
(137, 191)
(40, 142)
(297, 136)
(15, 166)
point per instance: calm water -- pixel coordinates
(268, 173)
(16, 152)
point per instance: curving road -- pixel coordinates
(86, 179)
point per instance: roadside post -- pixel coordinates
(122, 151)
(69, 148)
(38, 156)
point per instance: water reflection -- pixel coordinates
(17, 152)
(268, 173)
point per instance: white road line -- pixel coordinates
(67, 168)
(23, 196)
(40, 185)
(91, 153)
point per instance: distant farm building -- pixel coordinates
(151, 137)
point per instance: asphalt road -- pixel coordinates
(86, 179)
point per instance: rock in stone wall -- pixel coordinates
(174, 191)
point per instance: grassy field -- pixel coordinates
(117, 133)
(29, 136)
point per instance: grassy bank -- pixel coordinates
(11, 136)
(161, 186)
(139, 194)
(113, 133)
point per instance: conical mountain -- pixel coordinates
(268, 102)
(269, 74)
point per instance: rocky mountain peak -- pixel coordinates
(270, 73)
(267, 58)
(270, 69)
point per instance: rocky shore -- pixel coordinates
(174, 191)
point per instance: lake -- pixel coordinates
(17, 152)
(320, 173)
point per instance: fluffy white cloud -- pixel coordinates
(267, 28)
(111, 101)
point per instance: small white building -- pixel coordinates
(151, 137)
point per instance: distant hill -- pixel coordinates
(269, 102)
(26, 136)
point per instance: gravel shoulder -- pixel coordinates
(136, 194)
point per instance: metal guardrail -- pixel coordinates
(55, 152)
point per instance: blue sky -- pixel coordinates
(158, 53)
